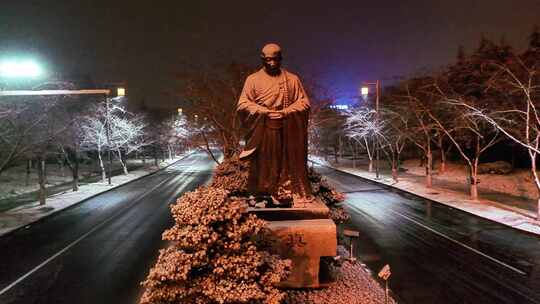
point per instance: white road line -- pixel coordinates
(20, 279)
(454, 241)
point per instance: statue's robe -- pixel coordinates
(275, 148)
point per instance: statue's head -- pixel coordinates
(271, 58)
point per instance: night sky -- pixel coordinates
(144, 43)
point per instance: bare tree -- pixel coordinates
(421, 129)
(362, 127)
(210, 103)
(127, 135)
(394, 138)
(469, 134)
(95, 139)
(18, 122)
(519, 120)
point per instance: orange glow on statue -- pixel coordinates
(274, 108)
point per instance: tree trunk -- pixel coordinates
(394, 170)
(124, 167)
(101, 167)
(75, 173)
(353, 150)
(443, 161)
(370, 166)
(170, 151)
(429, 167)
(61, 167)
(473, 178)
(474, 192)
(532, 156)
(442, 169)
(538, 209)
(28, 166)
(340, 145)
(208, 149)
(42, 181)
(474, 171)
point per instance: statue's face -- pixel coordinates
(271, 59)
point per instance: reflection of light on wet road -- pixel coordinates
(438, 254)
(98, 226)
(389, 214)
(110, 241)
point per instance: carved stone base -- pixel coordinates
(303, 235)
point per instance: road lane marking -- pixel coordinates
(453, 240)
(20, 279)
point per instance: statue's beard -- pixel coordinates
(272, 70)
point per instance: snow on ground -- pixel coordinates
(518, 182)
(13, 181)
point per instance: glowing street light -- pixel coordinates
(120, 92)
(364, 91)
(20, 69)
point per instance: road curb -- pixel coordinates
(390, 187)
(55, 212)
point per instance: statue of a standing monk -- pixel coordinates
(275, 109)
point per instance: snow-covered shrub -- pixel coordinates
(232, 175)
(214, 257)
(328, 195)
(497, 167)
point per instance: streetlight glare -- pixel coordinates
(364, 91)
(15, 69)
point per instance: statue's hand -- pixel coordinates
(275, 115)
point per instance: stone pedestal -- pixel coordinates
(303, 235)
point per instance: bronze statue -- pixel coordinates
(274, 108)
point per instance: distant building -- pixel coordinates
(340, 107)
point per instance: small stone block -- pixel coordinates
(304, 242)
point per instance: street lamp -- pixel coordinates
(365, 92)
(20, 69)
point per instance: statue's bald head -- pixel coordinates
(271, 50)
(271, 59)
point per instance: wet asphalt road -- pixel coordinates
(97, 251)
(438, 254)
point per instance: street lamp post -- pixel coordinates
(108, 135)
(120, 92)
(365, 92)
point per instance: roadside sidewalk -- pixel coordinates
(510, 210)
(22, 216)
